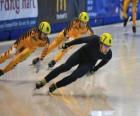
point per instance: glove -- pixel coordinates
(35, 61)
(51, 64)
(1, 72)
(37, 64)
(65, 46)
(93, 70)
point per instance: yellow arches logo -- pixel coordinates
(61, 5)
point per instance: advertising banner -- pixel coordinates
(57, 11)
(107, 11)
(102, 8)
(106, 8)
(17, 13)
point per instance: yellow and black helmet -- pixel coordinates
(106, 39)
(45, 27)
(83, 16)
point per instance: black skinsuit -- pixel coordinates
(86, 58)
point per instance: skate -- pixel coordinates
(134, 29)
(52, 88)
(126, 20)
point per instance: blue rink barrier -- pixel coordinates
(99, 11)
(4, 35)
(13, 29)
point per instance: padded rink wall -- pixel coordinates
(18, 16)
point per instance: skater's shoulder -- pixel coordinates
(95, 38)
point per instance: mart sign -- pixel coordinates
(18, 9)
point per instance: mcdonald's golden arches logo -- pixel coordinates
(61, 5)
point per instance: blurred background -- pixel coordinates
(17, 16)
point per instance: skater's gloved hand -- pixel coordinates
(35, 61)
(51, 64)
(37, 64)
(65, 46)
(93, 70)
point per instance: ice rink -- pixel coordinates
(111, 91)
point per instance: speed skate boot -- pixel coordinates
(125, 21)
(52, 88)
(134, 29)
(40, 84)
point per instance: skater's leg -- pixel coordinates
(72, 61)
(124, 12)
(57, 40)
(125, 7)
(134, 13)
(58, 56)
(8, 54)
(81, 70)
(17, 59)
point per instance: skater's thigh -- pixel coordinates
(73, 60)
(81, 70)
(23, 55)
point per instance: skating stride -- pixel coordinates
(25, 46)
(77, 28)
(126, 18)
(97, 48)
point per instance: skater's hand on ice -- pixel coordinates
(35, 61)
(92, 71)
(51, 64)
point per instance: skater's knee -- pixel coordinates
(73, 79)
(66, 67)
(78, 75)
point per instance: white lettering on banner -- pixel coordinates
(28, 4)
(16, 9)
(90, 8)
(17, 23)
(9, 5)
(61, 16)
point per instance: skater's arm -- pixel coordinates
(90, 31)
(68, 28)
(81, 40)
(104, 61)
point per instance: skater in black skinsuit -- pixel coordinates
(97, 48)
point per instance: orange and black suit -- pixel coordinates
(134, 9)
(22, 48)
(72, 31)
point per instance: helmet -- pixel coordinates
(106, 39)
(83, 16)
(45, 27)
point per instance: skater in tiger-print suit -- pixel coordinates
(76, 28)
(25, 45)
